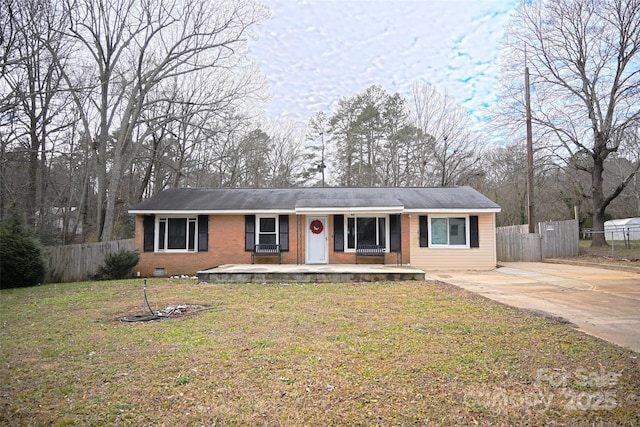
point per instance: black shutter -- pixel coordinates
(284, 232)
(249, 232)
(424, 231)
(338, 233)
(395, 233)
(203, 233)
(474, 233)
(148, 225)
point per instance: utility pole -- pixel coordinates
(532, 225)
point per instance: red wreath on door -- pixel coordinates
(316, 226)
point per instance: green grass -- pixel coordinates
(411, 353)
(632, 246)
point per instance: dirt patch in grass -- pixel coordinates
(410, 353)
(173, 311)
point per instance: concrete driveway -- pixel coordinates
(601, 302)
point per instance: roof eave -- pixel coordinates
(315, 211)
(452, 210)
(210, 212)
(349, 210)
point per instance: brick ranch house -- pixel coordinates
(185, 230)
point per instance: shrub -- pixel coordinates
(118, 265)
(21, 260)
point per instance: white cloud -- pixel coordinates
(314, 52)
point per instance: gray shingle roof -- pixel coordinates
(289, 199)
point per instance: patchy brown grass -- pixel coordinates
(617, 253)
(411, 353)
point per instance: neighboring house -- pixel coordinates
(56, 216)
(185, 230)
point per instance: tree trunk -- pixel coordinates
(3, 181)
(598, 203)
(145, 181)
(149, 169)
(32, 186)
(111, 197)
(43, 180)
(100, 151)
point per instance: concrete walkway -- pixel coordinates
(601, 302)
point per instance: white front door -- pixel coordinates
(317, 241)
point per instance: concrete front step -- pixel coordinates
(271, 273)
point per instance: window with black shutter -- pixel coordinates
(203, 233)
(424, 230)
(284, 232)
(148, 224)
(395, 233)
(338, 233)
(249, 232)
(474, 232)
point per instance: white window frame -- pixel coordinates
(467, 223)
(258, 231)
(165, 239)
(387, 233)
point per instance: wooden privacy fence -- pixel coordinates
(559, 238)
(514, 246)
(553, 239)
(72, 263)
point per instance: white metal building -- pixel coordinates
(622, 229)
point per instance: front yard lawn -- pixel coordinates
(409, 353)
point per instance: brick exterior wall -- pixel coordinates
(390, 258)
(226, 246)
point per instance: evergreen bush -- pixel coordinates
(118, 265)
(21, 260)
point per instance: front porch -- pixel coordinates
(308, 273)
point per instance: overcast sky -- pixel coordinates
(315, 51)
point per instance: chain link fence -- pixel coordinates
(624, 237)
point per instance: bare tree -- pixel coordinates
(449, 151)
(132, 47)
(33, 111)
(42, 101)
(10, 55)
(221, 163)
(584, 57)
(506, 182)
(286, 155)
(8, 96)
(185, 125)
